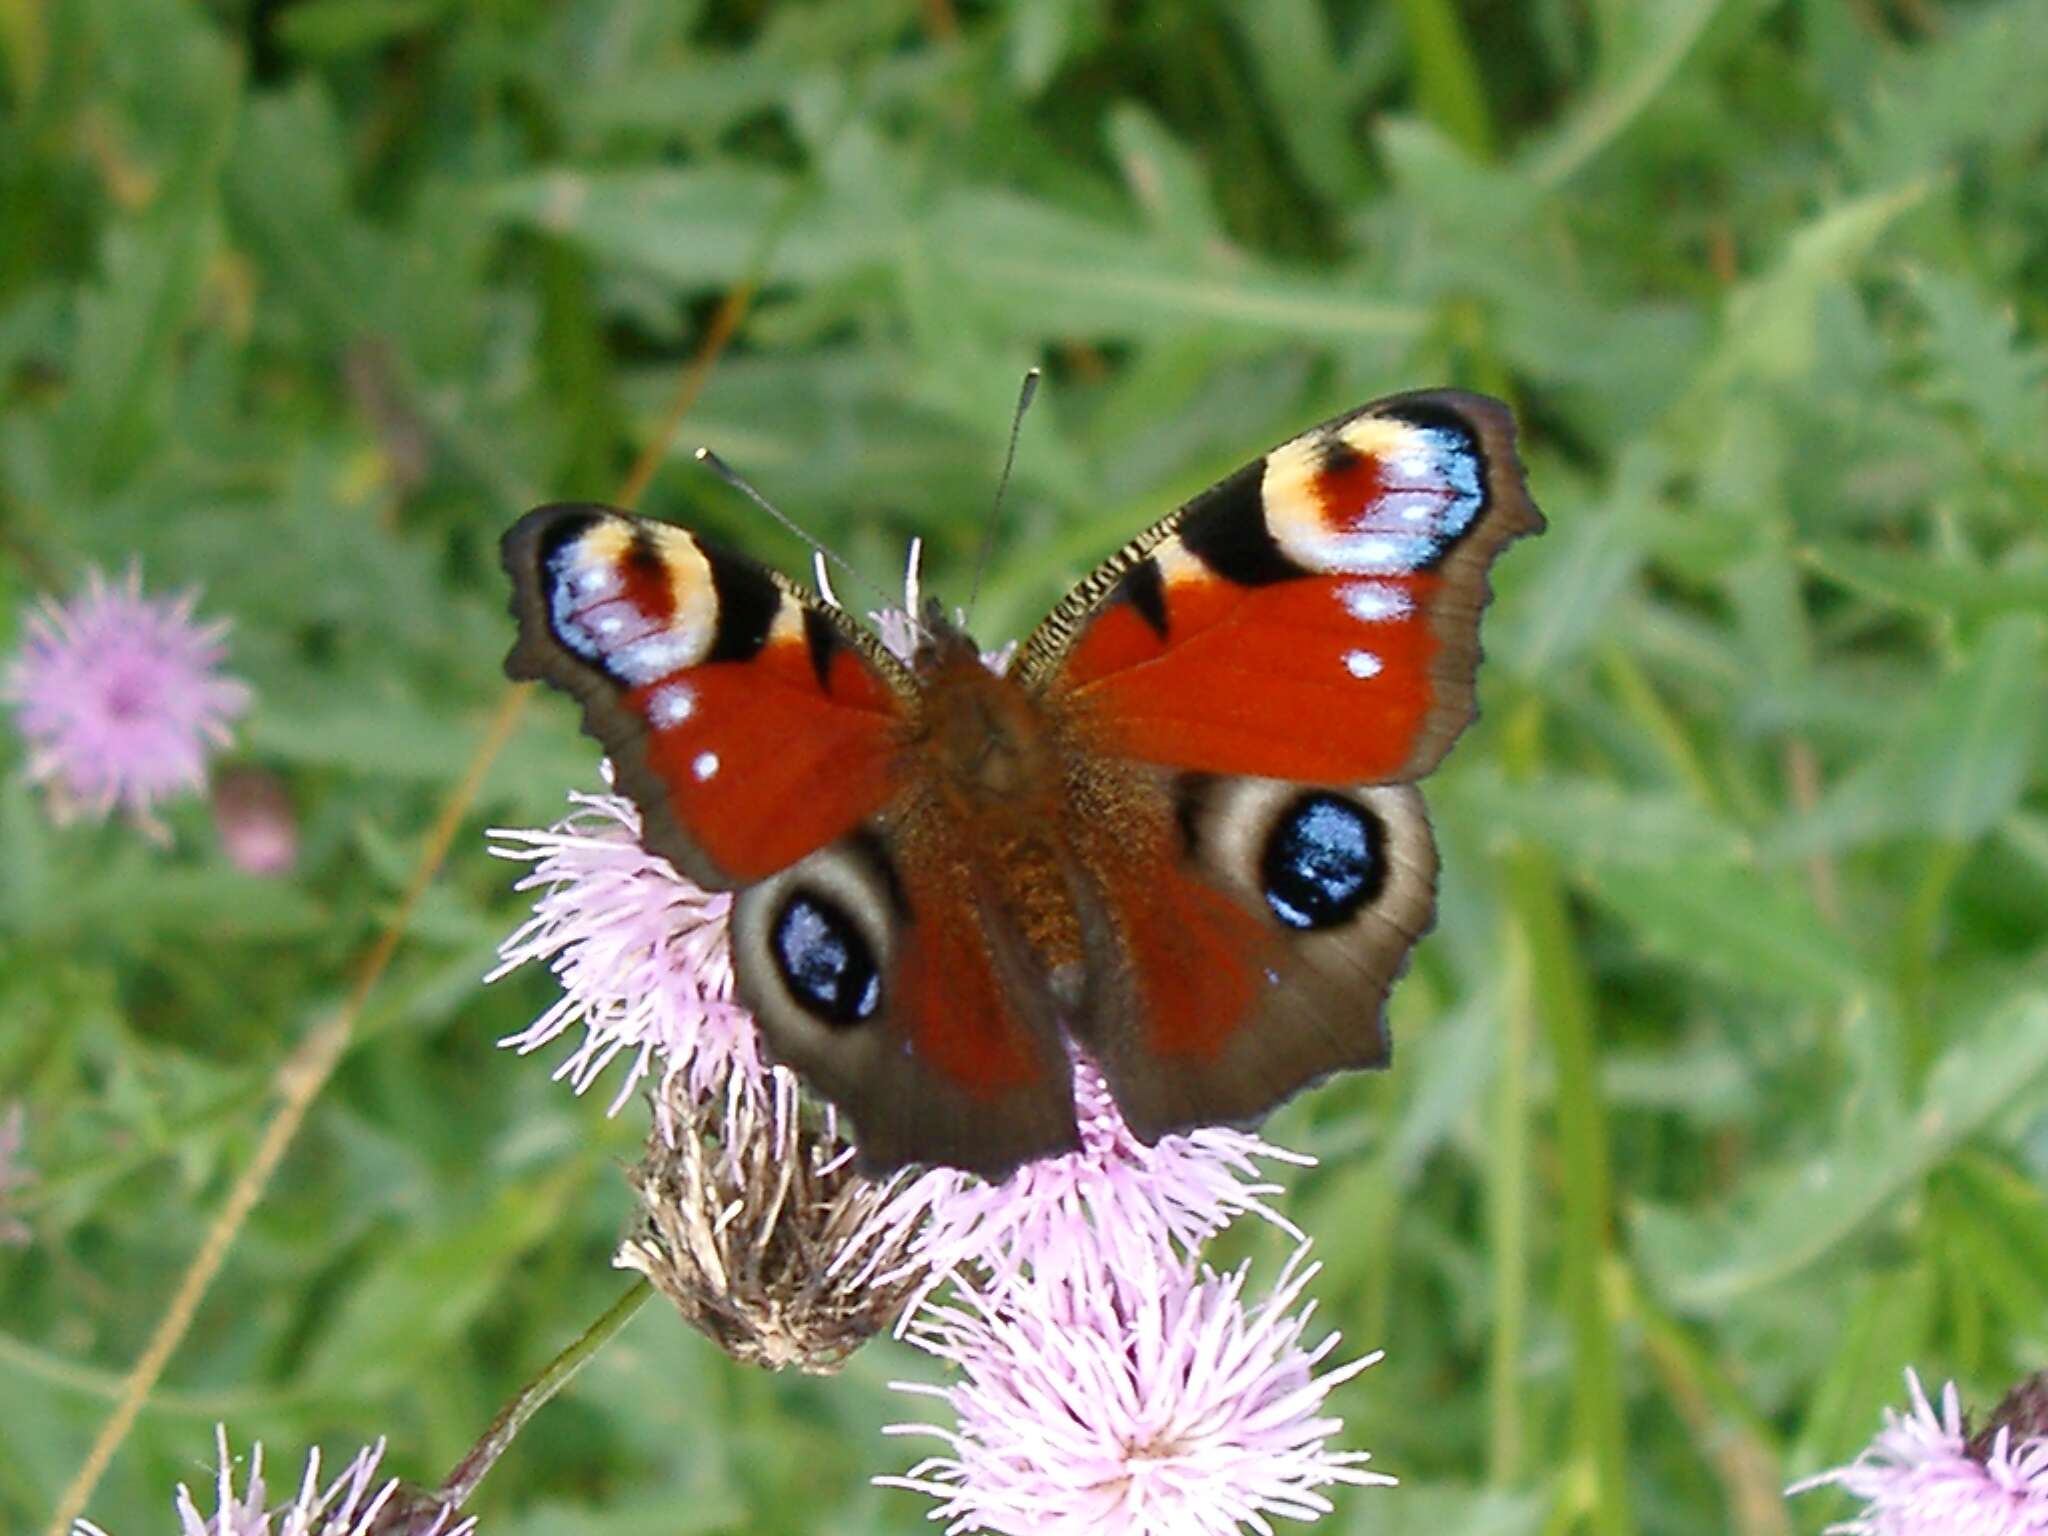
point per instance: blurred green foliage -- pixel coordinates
(1722, 1091)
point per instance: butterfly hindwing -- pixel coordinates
(1314, 616)
(748, 722)
(1253, 956)
(904, 1001)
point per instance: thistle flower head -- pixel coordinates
(1135, 1403)
(14, 1174)
(643, 955)
(1926, 1475)
(755, 1224)
(353, 1504)
(1116, 1202)
(120, 700)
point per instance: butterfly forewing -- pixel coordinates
(750, 724)
(1315, 615)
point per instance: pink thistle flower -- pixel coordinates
(1116, 1202)
(643, 955)
(120, 700)
(354, 1504)
(1148, 1403)
(1925, 1475)
(14, 1174)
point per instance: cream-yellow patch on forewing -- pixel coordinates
(1293, 507)
(1177, 566)
(605, 543)
(1382, 438)
(787, 628)
(694, 622)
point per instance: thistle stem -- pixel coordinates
(468, 1473)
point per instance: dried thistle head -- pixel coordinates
(756, 1225)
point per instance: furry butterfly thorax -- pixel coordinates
(1179, 832)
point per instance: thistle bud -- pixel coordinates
(756, 1225)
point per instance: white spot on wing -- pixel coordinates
(671, 706)
(1374, 602)
(1361, 663)
(646, 661)
(704, 766)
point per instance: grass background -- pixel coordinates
(1722, 1090)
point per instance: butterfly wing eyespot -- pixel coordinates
(1322, 860)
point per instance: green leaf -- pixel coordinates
(1981, 365)
(1772, 326)
(220, 904)
(423, 1295)
(1040, 33)
(1883, 1332)
(1957, 768)
(1589, 821)
(337, 28)
(1940, 586)
(1050, 273)
(392, 737)
(699, 227)
(1165, 180)
(1310, 93)
(1571, 585)
(1447, 82)
(1446, 1509)
(1978, 740)
(128, 331)
(1797, 1214)
(1665, 33)
(1728, 922)
(1975, 85)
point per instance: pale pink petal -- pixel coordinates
(642, 955)
(1924, 1476)
(1147, 1402)
(348, 1506)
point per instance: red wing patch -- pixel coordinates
(1196, 959)
(760, 763)
(953, 1008)
(1284, 681)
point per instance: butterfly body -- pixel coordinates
(1178, 832)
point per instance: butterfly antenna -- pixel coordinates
(819, 553)
(988, 536)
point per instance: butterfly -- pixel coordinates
(1179, 832)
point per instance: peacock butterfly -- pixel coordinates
(1181, 828)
